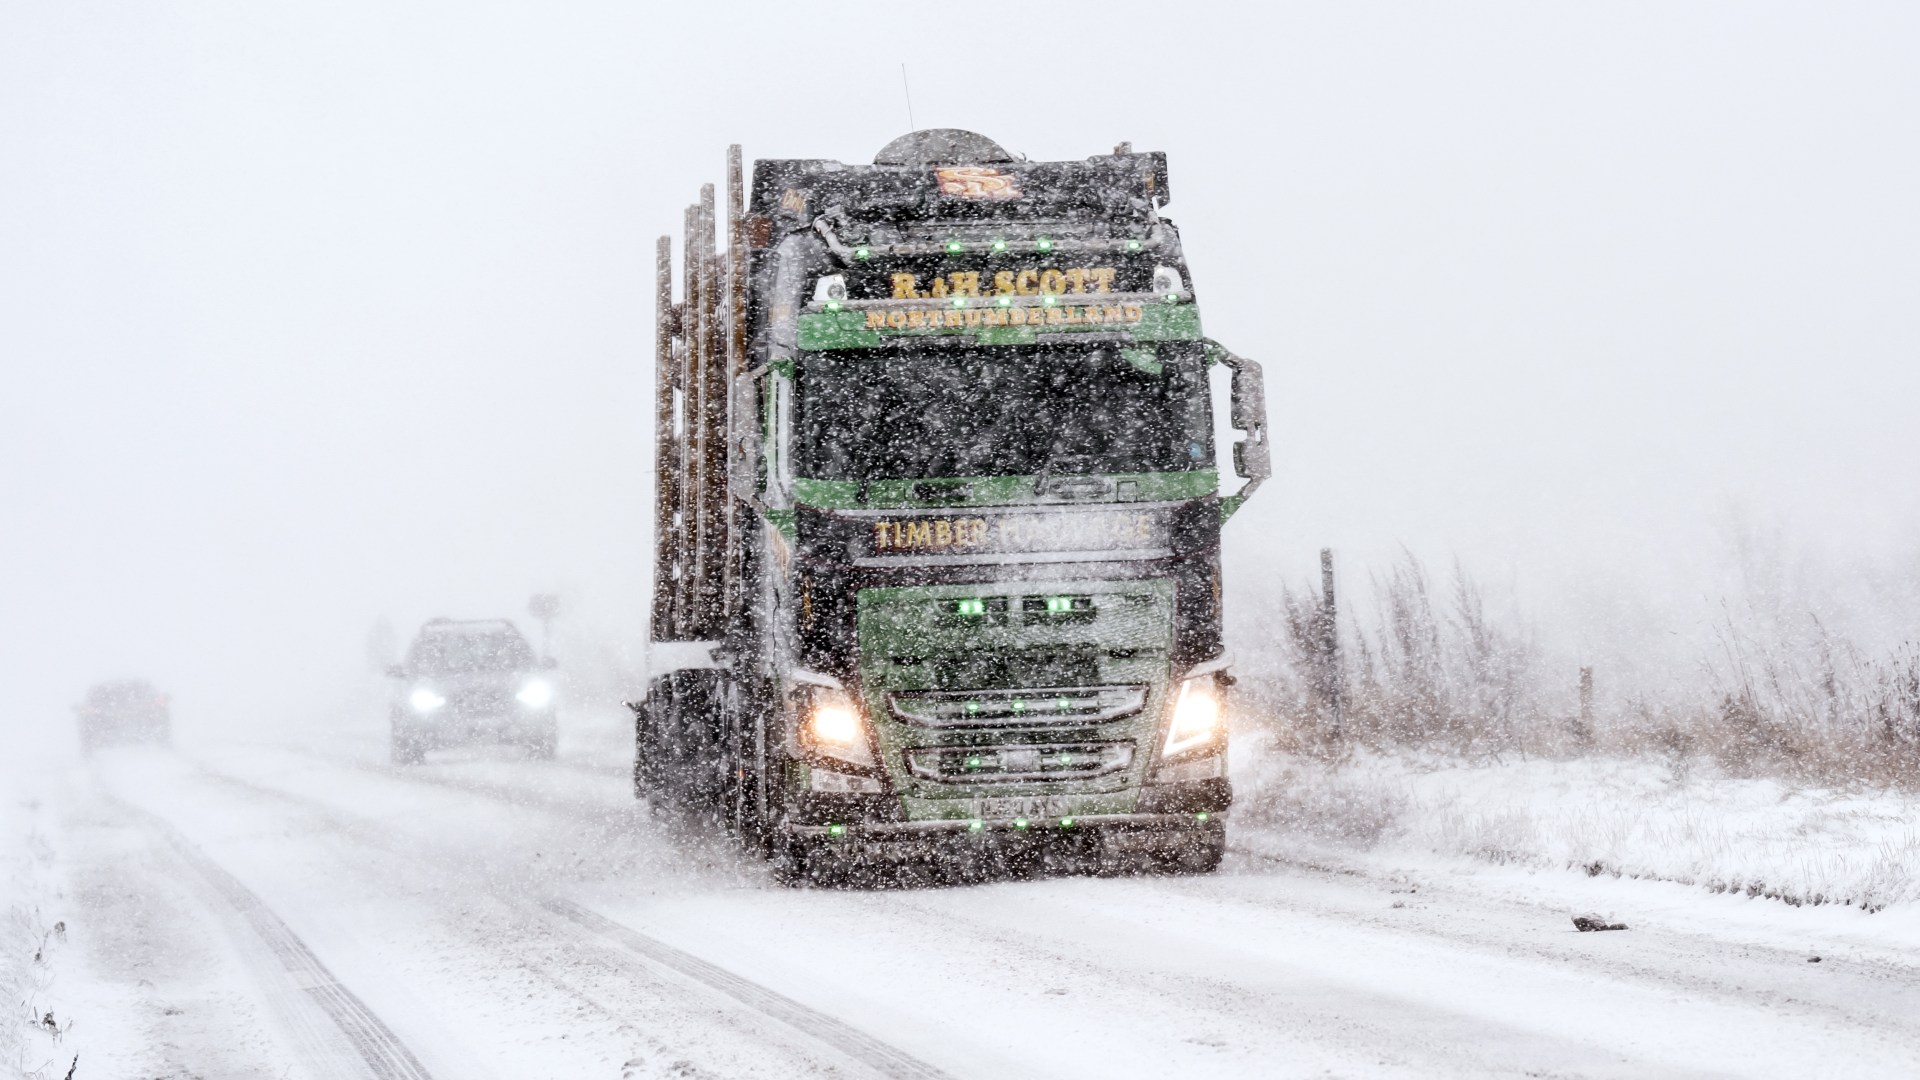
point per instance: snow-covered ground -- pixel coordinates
(300, 908)
(1658, 819)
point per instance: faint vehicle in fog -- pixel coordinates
(469, 681)
(123, 711)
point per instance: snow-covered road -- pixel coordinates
(286, 910)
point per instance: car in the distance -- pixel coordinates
(123, 711)
(471, 681)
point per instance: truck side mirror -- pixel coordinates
(1251, 460)
(1247, 410)
(1249, 407)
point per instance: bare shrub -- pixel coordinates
(1424, 671)
(1428, 667)
(1815, 710)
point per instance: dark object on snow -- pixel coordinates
(1590, 923)
(1813, 959)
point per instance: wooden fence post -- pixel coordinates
(1330, 678)
(1583, 728)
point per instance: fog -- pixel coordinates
(313, 315)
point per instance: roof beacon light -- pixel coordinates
(1167, 282)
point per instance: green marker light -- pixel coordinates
(973, 763)
(836, 830)
(973, 706)
(1066, 823)
(975, 826)
(1019, 823)
(999, 245)
(1043, 244)
(1048, 300)
(1061, 703)
(1201, 816)
(1133, 245)
(1019, 705)
(959, 301)
(833, 305)
(1006, 301)
(1059, 603)
(863, 253)
(955, 247)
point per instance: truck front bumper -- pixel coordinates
(1167, 819)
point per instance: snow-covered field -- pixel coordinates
(300, 908)
(1655, 819)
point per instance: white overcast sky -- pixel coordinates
(314, 313)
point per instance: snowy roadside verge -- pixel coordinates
(32, 940)
(1653, 819)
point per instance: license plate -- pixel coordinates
(1022, 806)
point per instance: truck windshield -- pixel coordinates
(1015, 411)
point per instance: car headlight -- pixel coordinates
(537, 694)
(831, 726)
(1199, 717)
(425, 700)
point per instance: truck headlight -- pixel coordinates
(537, 694)
(1198, 717)
(425, 700)
(831, 726)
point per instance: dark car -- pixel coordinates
(123, 711)
(472, 681)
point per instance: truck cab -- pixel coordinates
(976, 596)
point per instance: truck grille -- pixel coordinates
(1014, 764)
(1018, 708)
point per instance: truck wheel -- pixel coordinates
(1200, 853)
(790, 861)
(406, 748)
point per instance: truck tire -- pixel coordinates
(679, 757)
(1200, 854)
(790, 861)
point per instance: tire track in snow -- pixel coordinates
(386, 1056)
(854, 1043)
(618, 948)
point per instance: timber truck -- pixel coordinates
(938, 516)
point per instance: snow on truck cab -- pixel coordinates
(938, 514)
